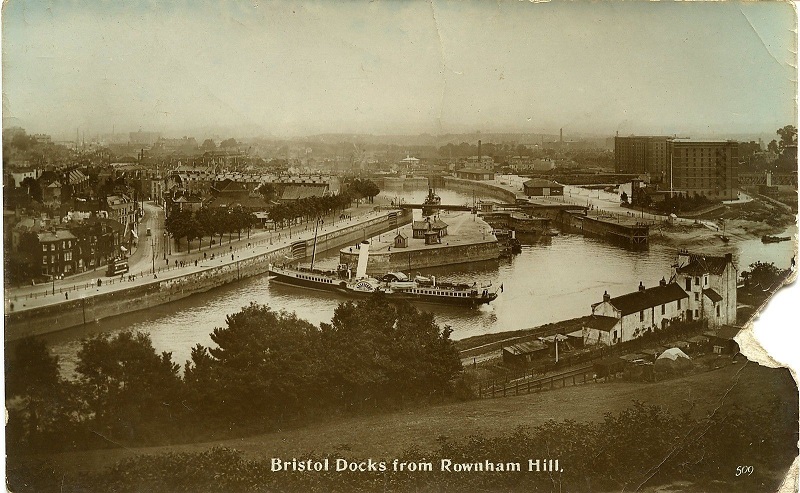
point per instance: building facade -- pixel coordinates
(695, 167)
(638, 313)
(708, 168)
(710, 283)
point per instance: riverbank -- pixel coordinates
(91, 302)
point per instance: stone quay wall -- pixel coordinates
(480, 188)
(433, 256)
(91, 308)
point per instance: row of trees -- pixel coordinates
(308, 208)
(266, 369)
(209, 222)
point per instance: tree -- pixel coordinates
(773, 146)
(265, 364)
(178, 224)
(762, 274)
(128, 387)
(208, 145)
(33, 188)
(267, 190)
(228, 143)
(43, 405)
(788, 135)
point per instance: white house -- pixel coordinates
(711, 285)
(636, 313)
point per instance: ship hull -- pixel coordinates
(310, 281)
(325, 283)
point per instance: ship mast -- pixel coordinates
(314, 249)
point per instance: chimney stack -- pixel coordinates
(728, 257)
(663, 282)
(641, 286)
(606, 296)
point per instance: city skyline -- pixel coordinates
(290, 69)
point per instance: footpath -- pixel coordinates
(180, 264)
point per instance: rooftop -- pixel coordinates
(704, 264)
(649, 298)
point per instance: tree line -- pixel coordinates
(209, 221)
(266, 369)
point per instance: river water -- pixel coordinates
(554, 278)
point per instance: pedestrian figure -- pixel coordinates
(231, 256)
(204, 255)
(66, 296)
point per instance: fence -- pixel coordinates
(526, 386)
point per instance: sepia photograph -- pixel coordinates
(400, 246)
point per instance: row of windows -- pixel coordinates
(64, 244)
(440, 293)
(663, 311)
(313, 278)
(67, 258)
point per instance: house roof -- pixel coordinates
(712, 295)
(246, 202)
(59, 234)
(703, 264)
(525, 348)
(438, 224)
(648, 298)
(400, 235)
(293, 192)
(419, 225)
(190, 200)
(600, 322)
(537, 182)
(475, 171)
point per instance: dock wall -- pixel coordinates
(436, 255)
(91, 308)
(481, 188)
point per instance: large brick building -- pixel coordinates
(695, 167)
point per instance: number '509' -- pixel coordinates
(744, 470)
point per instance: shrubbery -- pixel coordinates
(268, 368)
(640, 446)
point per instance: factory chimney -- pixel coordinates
(479, 153)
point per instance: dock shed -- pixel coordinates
(475, 174)
(542, 188)
(523, 353)
(401, 241)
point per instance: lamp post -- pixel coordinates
(164, 247)
(153, 251)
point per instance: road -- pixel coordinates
(142, 258)
(85, 284)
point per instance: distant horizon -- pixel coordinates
(200, 135)
(295, 68)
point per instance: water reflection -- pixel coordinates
(553, 278)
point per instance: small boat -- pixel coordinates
(774, 239)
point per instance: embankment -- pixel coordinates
(480, 188)
(105, 303)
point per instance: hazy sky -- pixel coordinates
(288, 68)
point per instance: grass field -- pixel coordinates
(387, 435)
